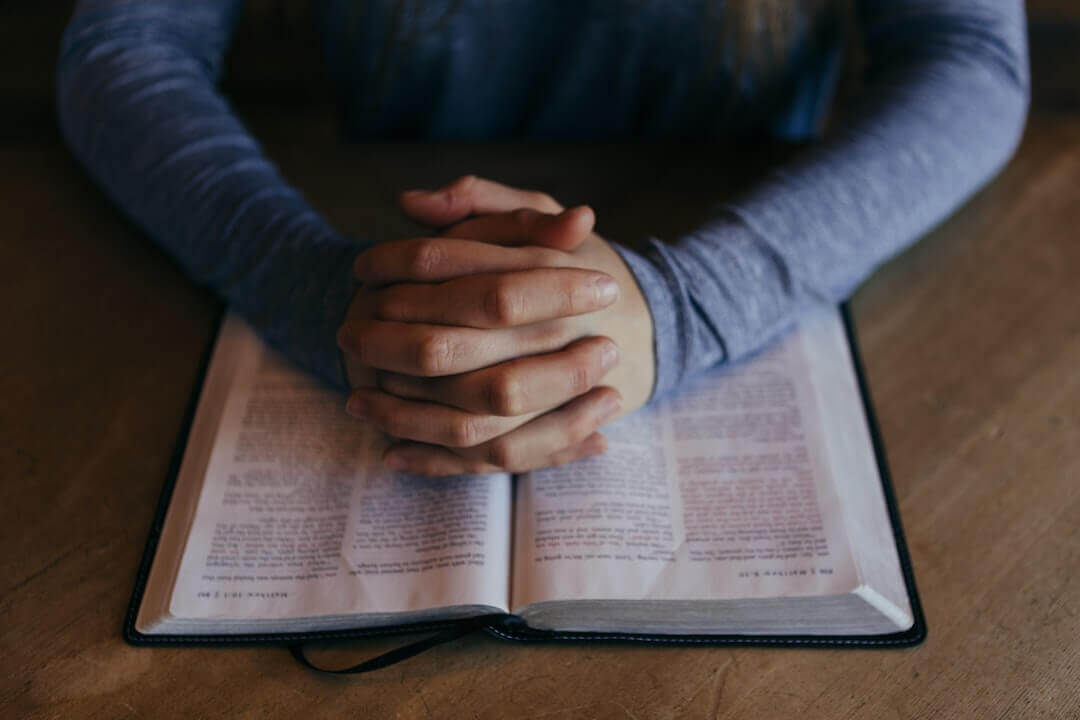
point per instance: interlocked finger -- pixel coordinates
(534, 444)
(471, 195)
(437, 259)
(437, 350)
(499, 300)
(526, 226)
(516, 387)
(428, 422)
(436, 461)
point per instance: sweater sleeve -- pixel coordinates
(942, 110)
(139, 107)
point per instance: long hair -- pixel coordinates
(759, 34)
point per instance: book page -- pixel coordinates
(297, 518)
(851, 455)
(722, 491)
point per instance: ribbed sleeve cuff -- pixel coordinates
(300, 304)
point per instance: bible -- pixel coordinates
(750, 507)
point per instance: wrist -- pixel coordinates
(661, 309)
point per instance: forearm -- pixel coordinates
(943, 110)
(139, 107)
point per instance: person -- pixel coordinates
(512, 332)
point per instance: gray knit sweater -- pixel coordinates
(943, 108)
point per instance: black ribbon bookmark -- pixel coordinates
(398, 654)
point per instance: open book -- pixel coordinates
(747, 505)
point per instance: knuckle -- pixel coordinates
(389, 422)
(573, 294)
(578, 379)
(579, 427)
(460, 190)
(464, 183)
(503, 305)
(465, 432)
(359, 342)
(434, 355)
(542, 201)
(425, 258)
(524, 218)
(505, 396)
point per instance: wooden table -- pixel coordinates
(972, 347)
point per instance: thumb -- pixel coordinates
(470, 195)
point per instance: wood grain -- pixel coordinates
(972, 347)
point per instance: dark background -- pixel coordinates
(275, 64)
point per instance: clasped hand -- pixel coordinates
(482, 348)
